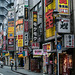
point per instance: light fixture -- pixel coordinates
(55, 13)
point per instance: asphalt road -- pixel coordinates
(7, 71)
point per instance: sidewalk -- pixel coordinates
(22, 71)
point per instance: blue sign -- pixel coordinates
(59, 46)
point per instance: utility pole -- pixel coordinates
(42, 20)
(15, 38)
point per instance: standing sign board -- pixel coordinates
(69, 41)
(64, 26)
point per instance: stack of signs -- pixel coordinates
(26, 23)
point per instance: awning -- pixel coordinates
(20, 56)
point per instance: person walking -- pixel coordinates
(12, 65)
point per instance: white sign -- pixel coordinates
(64, 26)
(69, 41)
(26, 38)
(21, 10)
(26, 3)
(38, 52)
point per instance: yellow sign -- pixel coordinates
(20, 42)
(50, 32)
(10, 35)
(10, 29)
(63, 6)
(50, 6)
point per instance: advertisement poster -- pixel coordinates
(63, 7)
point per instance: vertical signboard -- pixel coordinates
(63, 7)
(69, 41)
(50, 5)
(26, 13)
(35, 26)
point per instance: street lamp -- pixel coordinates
(55, 13)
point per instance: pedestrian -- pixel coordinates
(12, 65)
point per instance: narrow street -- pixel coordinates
(7, 71)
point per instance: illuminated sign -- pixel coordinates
(49, 19)
(63, 6)
(26, 13)
(35, 26)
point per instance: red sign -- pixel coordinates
(65, 65)
(63, 1)
(35, 45)
(20, 36)
(49, 19)
(26, 26)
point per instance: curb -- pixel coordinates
(19, 72)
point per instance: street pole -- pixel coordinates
(42, 20)
(15, 38)
(57, 67)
